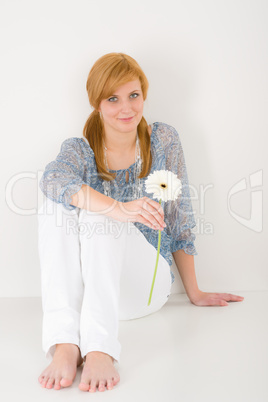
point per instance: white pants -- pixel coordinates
(95, 271)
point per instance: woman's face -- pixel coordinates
(126, 102)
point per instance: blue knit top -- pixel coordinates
(76, 165)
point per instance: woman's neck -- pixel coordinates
(120, 142)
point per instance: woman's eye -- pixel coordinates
(135, 95)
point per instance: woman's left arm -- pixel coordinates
(185, 266)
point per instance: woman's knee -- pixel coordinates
(50, 207)
(57, 214)
(92, 222)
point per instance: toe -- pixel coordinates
(85, 381)
(44, 382)
(50, 383)
(101, 386)
(92, 387)
(65, 382)
(83, 386)
(110, 384)
(57, 384)
(41, 378)
(116, 379)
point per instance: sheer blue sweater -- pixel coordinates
(75, 165)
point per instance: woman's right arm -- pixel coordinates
(93, 200)
(64, 176)
(63, 182)
(143, 210)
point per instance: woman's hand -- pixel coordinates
(214, 299)
(143, 210)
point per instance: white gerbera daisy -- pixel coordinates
(164, 185)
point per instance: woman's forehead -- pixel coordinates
(129, 86)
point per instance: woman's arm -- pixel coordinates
(64, 176)
(92, 200)
(143, 210)
(185, 266)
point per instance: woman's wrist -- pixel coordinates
(194, 296)
(115, 210)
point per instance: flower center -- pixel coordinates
(163, 185)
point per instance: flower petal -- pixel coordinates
(164, 185)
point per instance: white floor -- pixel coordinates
(181, 353)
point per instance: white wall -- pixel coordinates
(206, 62)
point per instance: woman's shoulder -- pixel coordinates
(165, 132)
(164, 127)
(71, 142)
(78, 147)
(79, 142)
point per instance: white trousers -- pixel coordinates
(95, 271)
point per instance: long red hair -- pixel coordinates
(107, 74)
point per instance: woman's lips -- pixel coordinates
(128, 119)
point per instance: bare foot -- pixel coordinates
(98, 371)
(62, 370)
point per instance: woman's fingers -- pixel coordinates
(149, 217)
(215, 299)
(218, 302)
(143, 210)
(222, 298)
(229, 297)
(148, 223)
(154, 206)
(152, 214)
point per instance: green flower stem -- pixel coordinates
(157, 258)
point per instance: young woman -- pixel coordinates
(98, 230)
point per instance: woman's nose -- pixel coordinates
(126, 106)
